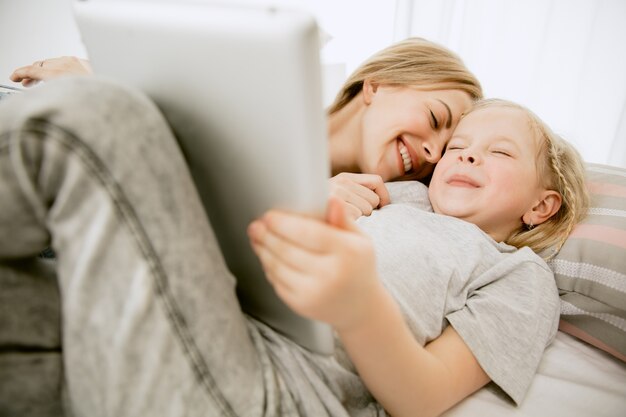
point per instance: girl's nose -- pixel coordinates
(467, 156)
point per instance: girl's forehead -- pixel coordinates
(494, 121)
(501, 117)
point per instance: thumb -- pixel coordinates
(337, 216)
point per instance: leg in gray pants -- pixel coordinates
(151, 323)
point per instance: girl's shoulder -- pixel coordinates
(412, 193)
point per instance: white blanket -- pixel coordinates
(574, 380)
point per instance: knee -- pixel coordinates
(101, 113)
(94, 102)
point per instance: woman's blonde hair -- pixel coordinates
(559, 168)
(412, 62)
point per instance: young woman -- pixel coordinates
(390, 120)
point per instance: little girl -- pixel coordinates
(455, 298)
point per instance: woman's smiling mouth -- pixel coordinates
(407, 158)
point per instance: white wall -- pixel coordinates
(31, 30)
(564, 59)
(35, 29)
(492, 39)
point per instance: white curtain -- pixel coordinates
(564, 59)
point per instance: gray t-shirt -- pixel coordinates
(441, 270)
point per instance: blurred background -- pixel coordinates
(565, 59)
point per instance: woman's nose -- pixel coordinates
(432, 151)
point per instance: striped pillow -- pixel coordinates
(590, 269)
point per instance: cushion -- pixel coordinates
(31, 365)
(590, 269)
(30, 312)
(32, 384)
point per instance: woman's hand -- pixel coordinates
(361, 193)
(323, 271)
(51, 68)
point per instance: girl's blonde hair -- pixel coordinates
(413, 62)
(559, 168)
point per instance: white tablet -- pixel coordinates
(241, 88)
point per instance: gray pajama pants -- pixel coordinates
(150, 322)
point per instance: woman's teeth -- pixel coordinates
(406, 158)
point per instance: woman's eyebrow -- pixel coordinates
(449, 122)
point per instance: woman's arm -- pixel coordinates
(51, 68)
(328, 272)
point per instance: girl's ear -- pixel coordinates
(369, 89)
(549, 203)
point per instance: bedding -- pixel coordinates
(574, 379)
(590, 269)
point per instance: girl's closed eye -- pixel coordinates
(455, 145)
(502, 152)
(503, 149)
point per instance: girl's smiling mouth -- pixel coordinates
(458, 180)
